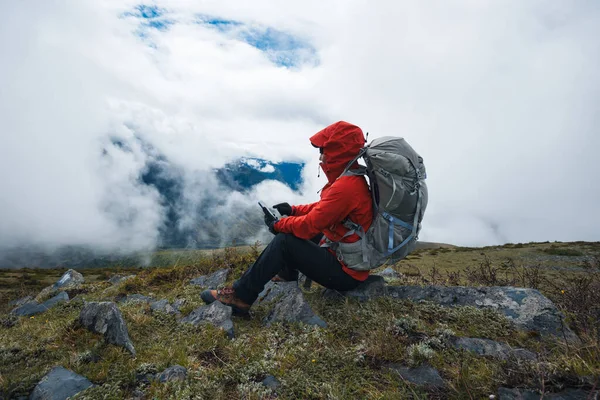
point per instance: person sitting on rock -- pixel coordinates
(295, 247)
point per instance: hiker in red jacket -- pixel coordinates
(295, 247)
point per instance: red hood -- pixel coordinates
(341, 142)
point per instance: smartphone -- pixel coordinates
(266, 210)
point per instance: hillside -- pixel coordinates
(373, 346)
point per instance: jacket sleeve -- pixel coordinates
(305, 208)
(334, 206)
(302, 209)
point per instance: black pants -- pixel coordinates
(285, 256)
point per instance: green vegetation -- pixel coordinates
(346, 360)
(562, 251)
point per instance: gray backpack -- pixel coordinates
(396, 177)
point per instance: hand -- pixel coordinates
(283, 208)
(270, 222)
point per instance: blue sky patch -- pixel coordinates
(223, 25)
(280, 47)
(151, 17)
(145, 11)
(245, 173)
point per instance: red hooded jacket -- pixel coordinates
(347, 196)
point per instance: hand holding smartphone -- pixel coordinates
(268, 213)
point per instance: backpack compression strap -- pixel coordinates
(392, 220)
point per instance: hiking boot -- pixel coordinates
(226, 296)
(277, 278)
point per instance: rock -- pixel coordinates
(135, 298)
(522, 354)
(517, 394)
(527, 394)
(215, 313)
(105, 318)
(70, 280)
(21, 301)
(274, 290)
(138, 394)
(424, 375)
(271, 382)
(212, 281)
(293, 307)
(116, 279)
(59, 298)
(373, 286)
(177, 304)
(146, 373)
(174, 373)
(389, 274)
(33, 308)
(573, 394)
(290, 304)
(527, 308)
(487, 347)
(59, 384)
(145, 378)
(28, 309)
(163, 306)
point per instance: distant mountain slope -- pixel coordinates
(195, 213)
(433, 245)
(245, 173)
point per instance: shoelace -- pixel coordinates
(227, 291)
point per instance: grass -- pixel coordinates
(346, 360)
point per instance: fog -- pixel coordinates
(500, 98)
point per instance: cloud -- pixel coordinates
(500, 98)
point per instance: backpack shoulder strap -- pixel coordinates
(360, 171)
(360, 154)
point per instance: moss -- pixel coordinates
(562, 251)
(346, 360)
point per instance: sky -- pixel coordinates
(500, 98)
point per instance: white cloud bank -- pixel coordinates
(499, 97)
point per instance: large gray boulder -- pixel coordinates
(491, 348)
(274, 290)
(527, 308)
(215, 313)
(33, 308)
(106, 319)
(59, 384)
(212, 281)
(373, 286)
(289, 304)
(424, 375)
(69, 280)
